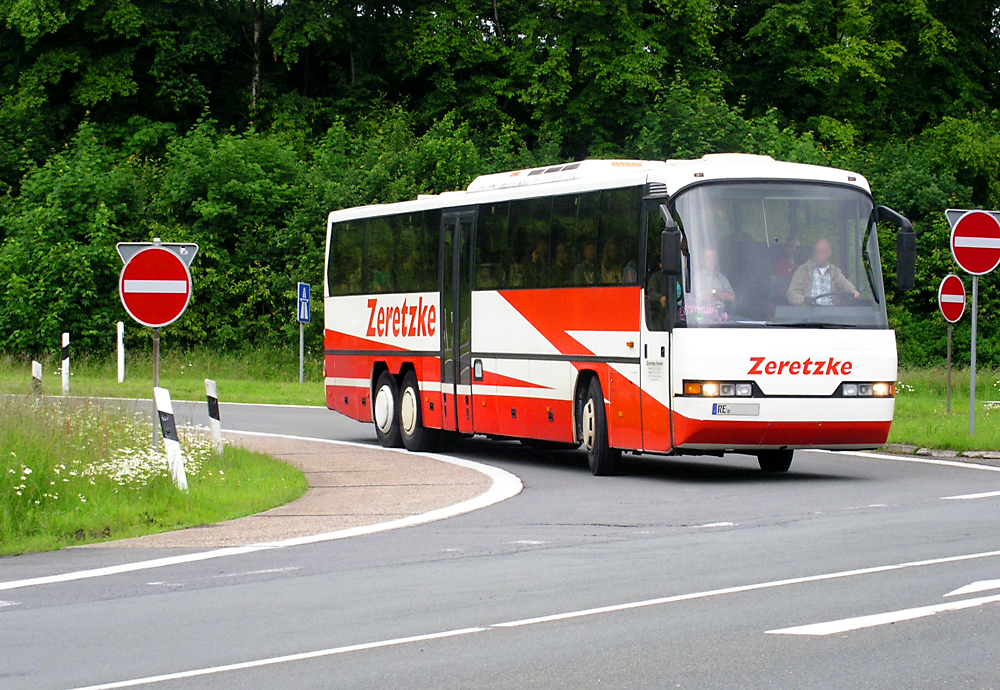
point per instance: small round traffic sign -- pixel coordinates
(155, 287)
(951, 298)
(975, 242)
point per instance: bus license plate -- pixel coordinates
(745, 409)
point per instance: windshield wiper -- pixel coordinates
(808, 324)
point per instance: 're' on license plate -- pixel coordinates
(743, 409)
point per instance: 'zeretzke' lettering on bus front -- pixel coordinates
(402, 321)
(761, 366)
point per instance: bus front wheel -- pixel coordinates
(603, 458)
(416, 437)
(384, 411)
(775, 460)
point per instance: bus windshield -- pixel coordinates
(781, 254)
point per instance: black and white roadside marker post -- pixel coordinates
(171, 442)
(303, 316)
(214, 420)
(65, 363)
(975, 244)
(155, 287)
(36, 377)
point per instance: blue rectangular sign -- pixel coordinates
(304, 302)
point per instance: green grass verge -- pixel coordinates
(255, 376)
(921, 419)
(74, 473)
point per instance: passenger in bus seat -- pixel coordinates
(787, 264)
(819, 277)
(535, 265)
(562, 273)
(611, 264)
(585, 272)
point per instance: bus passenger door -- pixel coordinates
(456, 320)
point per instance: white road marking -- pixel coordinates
(743, 588)
(7, 603)
(969, 497)
(975, 588)
(266, 571)
(559, 617)
(860, 622)
(529, 542)
(505, 485)
(714, 524)
(149, 680)
(157, 287)
(910, 458)
(878, 505)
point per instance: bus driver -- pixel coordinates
(715, 290)
(818, 278)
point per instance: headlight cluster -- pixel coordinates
(717, 389)
(879, 389)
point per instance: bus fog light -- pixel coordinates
(727, 390)
(744, 390)
(710, 390)
(850, 389)
(881, 390)
(865, 390)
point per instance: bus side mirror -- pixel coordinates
(670, 252)
(906, 247)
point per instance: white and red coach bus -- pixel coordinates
(726, 304)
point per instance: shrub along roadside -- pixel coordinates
(77, 473)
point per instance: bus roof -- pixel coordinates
(568, 178)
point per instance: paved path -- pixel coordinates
(350, 485)
(684, 572)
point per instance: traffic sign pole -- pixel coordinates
(947, 405)
(156, 384)
(972, 368)
(303, 308)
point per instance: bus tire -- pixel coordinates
(385, 411)
(416, 437)
(603, 459)
(775, 460)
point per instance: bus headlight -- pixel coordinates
(879, 389)
(716, 389)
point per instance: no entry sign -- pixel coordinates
(975, 242)
(951, 298)
(155, 286)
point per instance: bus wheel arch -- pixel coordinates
(593, 426)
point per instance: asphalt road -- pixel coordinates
(684, 573)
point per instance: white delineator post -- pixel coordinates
(65, 363)
(121, 352)
(214, 420)
(171, 442)
(36, 377)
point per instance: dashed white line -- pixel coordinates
(971, 497)
(714, 524)
(876, 619)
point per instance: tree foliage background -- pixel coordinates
(239, 124)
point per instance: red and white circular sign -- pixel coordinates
(155, 287)
(951, 298)
(975, 242)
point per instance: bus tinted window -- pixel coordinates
(565, 245)
(491, 246)
(380, 263)
(416, 254)
(345, 263)
(618, 233)
(585, 242)
(528, 243)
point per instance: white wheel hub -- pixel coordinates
(384, 409)
(588, 422)
(408, 411)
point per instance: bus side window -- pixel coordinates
(584, 254)
(417, 254)
(491, 246)
(618, 233)
(380, 259)
(564, 241)
(346, 252)
(528, 243)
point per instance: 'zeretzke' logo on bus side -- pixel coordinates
(809, 367)
(411, 320)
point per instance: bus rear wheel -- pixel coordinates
(775, 460)
(416, 437)
(385, 412)
(603, 459)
